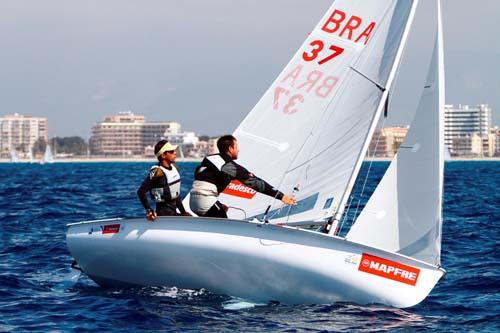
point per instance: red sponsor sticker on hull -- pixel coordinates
(237, 189)
(111, 229)
(389, 269)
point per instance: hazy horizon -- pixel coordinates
(202, 64)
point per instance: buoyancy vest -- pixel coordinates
(210, 171)
(217, 161)
(166, 185)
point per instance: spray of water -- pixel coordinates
(239, 304)
(68, 281)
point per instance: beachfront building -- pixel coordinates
(496, 135)
(19, 133)
(187, 142)
(467, 145)
(489, 145)
(461, 123)
(182, 138)
(127, 134)
(205, 147)
(155, 131)
(474, 145)
(385, 141)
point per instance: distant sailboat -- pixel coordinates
(13, 156)
(30, 155)
(311, 131)
(47, 156)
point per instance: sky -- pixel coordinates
(202, 63)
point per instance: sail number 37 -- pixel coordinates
(317, 48)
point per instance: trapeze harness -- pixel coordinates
(212, 177)
(205, 192)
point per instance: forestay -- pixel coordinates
(309, 128)
(404, 213)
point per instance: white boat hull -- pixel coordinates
(253, 261)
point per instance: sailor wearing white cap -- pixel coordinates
(163, 182)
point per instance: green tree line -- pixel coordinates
(74, 145)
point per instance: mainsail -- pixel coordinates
(404, 213)
(307, 133)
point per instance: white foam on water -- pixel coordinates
(239, 304)
(174, 292)
(68, 281)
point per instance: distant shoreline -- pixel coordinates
(152, 160)
(103, 160)
(453, 159)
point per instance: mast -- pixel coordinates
(442, 92)
(332, 225)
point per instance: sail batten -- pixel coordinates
(378, 85)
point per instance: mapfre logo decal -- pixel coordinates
(389, 269)
(237, 189)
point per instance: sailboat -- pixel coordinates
(30, 155)
(47, 156)
(308, 135)
(13, 156)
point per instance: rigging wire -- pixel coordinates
(364, 182)
(295, 190)
(283, 179)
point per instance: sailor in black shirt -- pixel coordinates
(216, 172)
(163, 183)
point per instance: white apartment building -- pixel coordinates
(467, 145)
(462, 122)
(128, 134)
(182, 138)
(495, 132)
(204, 148)
(19, 133)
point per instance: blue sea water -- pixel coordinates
(39, 292)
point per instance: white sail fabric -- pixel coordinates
(13, 156)
(308, 129)
(47, 156)
(404, 213)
